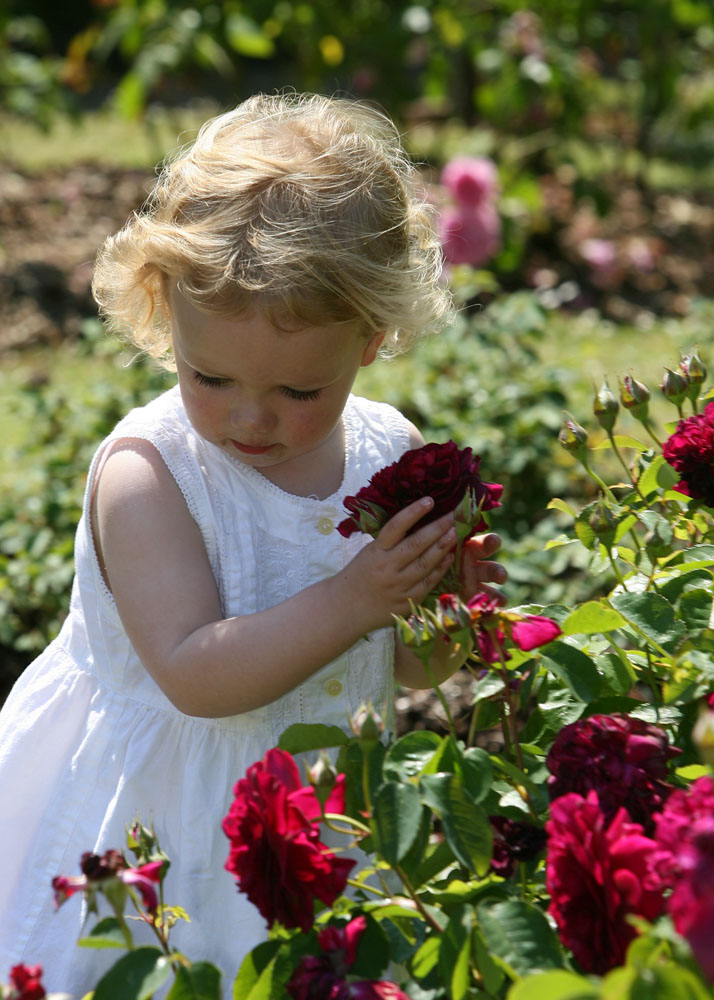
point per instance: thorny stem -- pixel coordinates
(440, 695)
(418, 903)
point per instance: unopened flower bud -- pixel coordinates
(606, 406)
(694, 371)
(603, 522)
(451, 614)
(635, 397)
(674, 386)
(367, 725)
(323, 777)
(573, 438)
(416, 631)
(703, 736)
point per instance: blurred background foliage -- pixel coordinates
(598, 116)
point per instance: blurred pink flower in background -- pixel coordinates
(470, 228)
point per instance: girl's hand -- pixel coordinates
(397, 567)
(477, 570)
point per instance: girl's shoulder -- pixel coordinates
(164, 413)
(381, 432)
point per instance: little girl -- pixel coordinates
(214, 602)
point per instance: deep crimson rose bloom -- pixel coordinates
(276, 854)
(596, 874)
(444, 472)
(25, 982)
(623, 759)
(323, 978)
(690, 450)
(97, 869)
(514, 840)
(493, 624)
(684, 862)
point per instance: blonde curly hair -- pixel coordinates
(300, 205)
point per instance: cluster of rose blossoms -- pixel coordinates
(470, 228)
(623, 842)
(25, 983)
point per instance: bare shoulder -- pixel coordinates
(416, 438)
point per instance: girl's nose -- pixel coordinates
(253, 416)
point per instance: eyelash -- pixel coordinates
(218, 383)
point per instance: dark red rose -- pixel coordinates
(25, 981)
(441, 471)
(514, 840)
(276, 854)
(323, 977)
(98, 869)
(690, 450)
(684, 862)
(596, 874)
(623, 759)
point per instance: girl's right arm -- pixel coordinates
(155, 563)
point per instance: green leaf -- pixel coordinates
(555, 985)
(491, 972)
(254, 963)
(476, 773)
(466, 826)
(397, 815)
(520, 934)
(198, 981)
(302, 737)
(574, 668)
(105, 934)
(616, 671)
(455, 953)
(702, 555)
(136, 976)
(246, 38)
(667, 982)
(562, 506)
(621, 441)
(648, 482)
(695, 609)
(409, 754)
(652, 615)
(373, 952)
(130, 95)
(592, 617)
(425, 958)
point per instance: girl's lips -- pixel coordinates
(248, 449)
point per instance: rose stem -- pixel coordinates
(419, 905)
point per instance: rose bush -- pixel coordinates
(559, 845)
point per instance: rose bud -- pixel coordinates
(674, 387)
(703, 736)
(323, 777)
(695, 372)
(367, 725)
(573, 438)
(606, 406)
(603, 523)
(635, 397)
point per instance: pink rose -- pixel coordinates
(444, 472)
(494, 624)
(470, 235)
(471, 180)
(596, 874)
(276, 854)
(690, 450)
(684, 862)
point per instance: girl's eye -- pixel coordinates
(209, 380)
(299, 394)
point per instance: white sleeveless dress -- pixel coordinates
(88, 740)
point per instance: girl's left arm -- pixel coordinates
(477, 572)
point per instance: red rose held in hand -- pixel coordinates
(596, 874)
(690, 450)
(276, 855)
(441, 471)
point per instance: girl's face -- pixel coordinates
(272, 399)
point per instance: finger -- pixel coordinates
(483, 546)
(397, 527)
(483, 571)
(423, 585)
